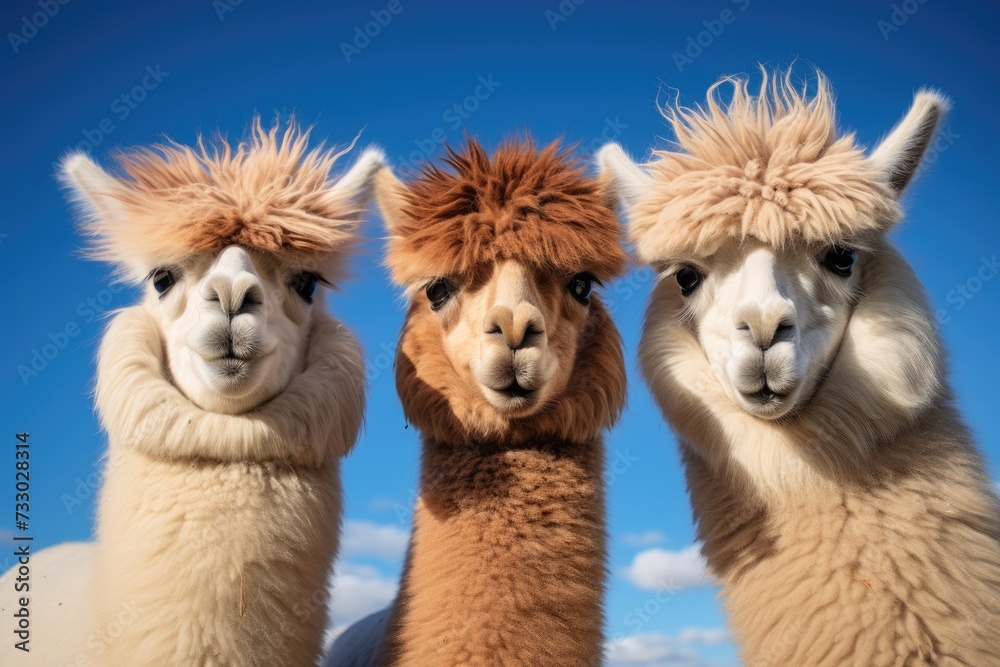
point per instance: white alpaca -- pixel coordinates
(840, 499)
(229, 396)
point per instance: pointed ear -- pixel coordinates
(622, 180)
(357, 183)
(93, 190)
(900, 153)
(98, 197)
(390, 195)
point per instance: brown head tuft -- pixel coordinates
(524, 204)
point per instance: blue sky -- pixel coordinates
(106, 75)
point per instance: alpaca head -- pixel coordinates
(763, 226)
(234, 247)
(505, 336)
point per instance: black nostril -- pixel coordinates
(784, 329)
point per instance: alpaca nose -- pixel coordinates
(517, 327)
(233, 283)
(235, 294)
(766, 324)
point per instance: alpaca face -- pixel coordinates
(235, 325)
(769, 321)
(503, 339)
(231, 244)
(752, 223)
(511, 338)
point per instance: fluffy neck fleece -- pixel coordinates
(314, 419)
(217, 532)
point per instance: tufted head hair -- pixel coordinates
(270, 193)
(525, 204)
(770, 166)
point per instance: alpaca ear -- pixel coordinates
(357, 183)
(390, 195)
(900, 153)
(98, 197)
(623, 181)
(94, 190)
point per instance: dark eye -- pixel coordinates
(581, 286)
(688, 278)
(840, 260)
(304, 284)
(163, 279)
(438, 292)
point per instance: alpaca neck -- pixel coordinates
(506, 562)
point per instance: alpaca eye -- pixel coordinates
(688, 278)
(581, 286)
(438, 292)
(840, 260)
(304, 284)
(163, 279)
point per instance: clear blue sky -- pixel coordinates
(587, 75)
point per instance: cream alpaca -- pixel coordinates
(229, 396)
(511, 369)
(839, 496)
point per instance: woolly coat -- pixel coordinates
(860, 530)
(216, 533)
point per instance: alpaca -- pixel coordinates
(839, 497)
(229, 396)
(511, 368)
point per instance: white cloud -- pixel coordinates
(660, 569)
(996, 487)
(655, 649)
(364, 538)
(704, 636)
(645, 538)
(359, 590)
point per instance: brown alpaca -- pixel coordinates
(839, 497)
(511, 370)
